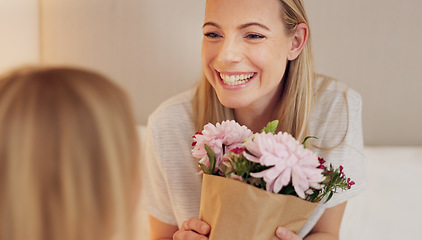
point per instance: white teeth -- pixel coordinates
(236, 79)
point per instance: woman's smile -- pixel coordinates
(233, 80)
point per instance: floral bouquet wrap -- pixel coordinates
(253, 183)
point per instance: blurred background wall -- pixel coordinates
(152, 49)
(375, 47)
(19, 33)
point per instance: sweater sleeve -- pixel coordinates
(339, 129)
(171, 187)
(349, 153)
(155, 194)
(336, 121)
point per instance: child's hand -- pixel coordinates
(286, 234)
(194, 229)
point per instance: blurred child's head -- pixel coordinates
(68, 156)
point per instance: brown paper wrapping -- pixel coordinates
(236, 210)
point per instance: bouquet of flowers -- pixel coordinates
(288, 180)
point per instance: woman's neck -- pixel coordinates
(252, 120)
(257, 117)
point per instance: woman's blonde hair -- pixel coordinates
(68, 156)
(297, 85)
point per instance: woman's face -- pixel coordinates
(245, 49)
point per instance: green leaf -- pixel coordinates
(204, 168)
(329, 196)
(306, 139)
(271, 127)
(211, 157)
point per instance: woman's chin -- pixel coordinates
(232, 102)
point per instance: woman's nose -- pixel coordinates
(229, 52)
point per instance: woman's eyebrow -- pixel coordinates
(211, 24)
(243, 26)
(253, 24)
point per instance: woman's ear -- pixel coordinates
(299, 39)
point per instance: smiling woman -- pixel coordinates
(257, 66)
(259, 45)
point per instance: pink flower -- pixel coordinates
(321, 163)
(237, 150)
(350, 183)
(290, 162)
(221, 138)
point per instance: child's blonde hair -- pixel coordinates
(68, 156)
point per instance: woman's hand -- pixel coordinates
(192, 229)
(286, 234)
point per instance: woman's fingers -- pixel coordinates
(192, 229)
(188, 235)
(286, 234)
(197, 225)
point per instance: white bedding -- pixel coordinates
(388, 210)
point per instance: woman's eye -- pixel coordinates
(254, 36)
(211, 35)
